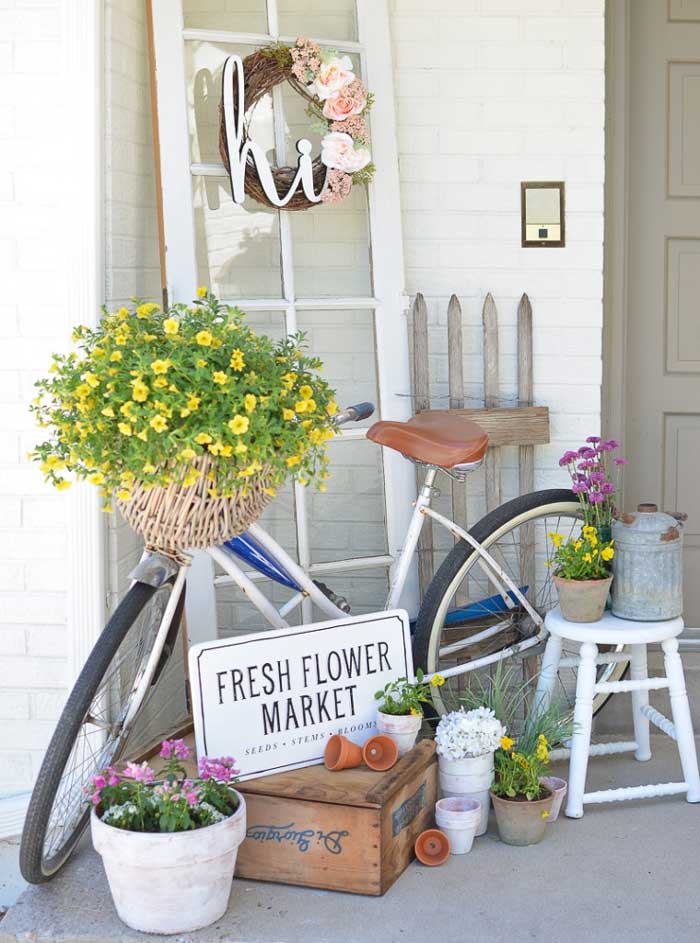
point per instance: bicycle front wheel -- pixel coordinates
(463, 617)
(91, 732)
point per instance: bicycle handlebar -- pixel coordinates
(355, 413)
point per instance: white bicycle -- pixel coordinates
(485, 604)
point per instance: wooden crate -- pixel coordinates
(348, 831)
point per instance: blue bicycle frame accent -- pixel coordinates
(494, 605)
(248, 549)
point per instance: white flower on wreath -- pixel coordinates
(338, 152)
(468, 733)
(332, 77)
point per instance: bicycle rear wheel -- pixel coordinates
(91, 732)
(461, 603)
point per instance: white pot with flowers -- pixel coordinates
(169, 842)
(466, 742)
(400, 713)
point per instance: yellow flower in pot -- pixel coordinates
(581, 574)
(185, 409)
(521, 801)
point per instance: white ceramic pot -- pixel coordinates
(558, 789)
(472, 778)
(170, 882)
(402, 728)
(458, 817)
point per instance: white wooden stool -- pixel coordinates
(637, 635)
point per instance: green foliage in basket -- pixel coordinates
(581, 558)
(149, 392)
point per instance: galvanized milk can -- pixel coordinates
(648, 565)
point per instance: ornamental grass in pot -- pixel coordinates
(400, 713)
(581, 574)
(187, 416)
(465, 742)
(168, 842)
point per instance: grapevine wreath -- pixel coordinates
(337, 102)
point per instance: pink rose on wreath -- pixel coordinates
(338, 152)
(341, 107)
(338, 186)
(333, 76)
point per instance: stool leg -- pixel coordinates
(681, 718)
(548, 673)
(581, 739)
(638, 671)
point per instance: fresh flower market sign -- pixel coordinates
(338, 103)
(274, 698)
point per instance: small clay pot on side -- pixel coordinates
(380, 753)
(432, 847)
(341, 753)
(558, 788)
(521, 822)
(582, 600)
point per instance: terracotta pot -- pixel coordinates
(341, 753)
(170, 882)
(558, 788)
(521, 822)
(402, 728)
(432, 847)
(380, 753)
(582, 600)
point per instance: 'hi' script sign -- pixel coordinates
(239, 149)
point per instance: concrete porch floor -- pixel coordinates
(625, 872)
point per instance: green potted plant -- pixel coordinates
(186, 416)
(581, 574)
(521, 801)
(168, 842)
(400, 713)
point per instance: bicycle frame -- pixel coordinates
(263, 552)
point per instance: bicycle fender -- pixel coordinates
(154, 570)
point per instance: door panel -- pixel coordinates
(662, 436)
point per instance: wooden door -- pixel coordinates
(662, 435)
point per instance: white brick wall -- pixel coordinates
(131, 223)
(33, 322)
(490, 93)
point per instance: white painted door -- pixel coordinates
(334, 272)
(663, 344)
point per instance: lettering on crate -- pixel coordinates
(330, 841)
(407, 811)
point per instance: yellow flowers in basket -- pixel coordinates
(149, 393)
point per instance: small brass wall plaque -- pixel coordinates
(542, 213)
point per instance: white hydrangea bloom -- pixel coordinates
(461, 733)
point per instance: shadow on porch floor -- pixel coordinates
(622, 873)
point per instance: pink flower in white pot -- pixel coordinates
(338, 152)
(332, 77)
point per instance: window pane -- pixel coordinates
(237, 247)
(344, 340)
(239, 16)
(348, 519)
(326, 19)
(331, 241)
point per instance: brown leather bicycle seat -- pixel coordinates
(435, 437)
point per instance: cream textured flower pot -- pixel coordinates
(170, 882)
(402, 728)
(582, 600)
(468, 778)
(522, 822)
(558, 788)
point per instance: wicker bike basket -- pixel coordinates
(176, 517)
(261, 73)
